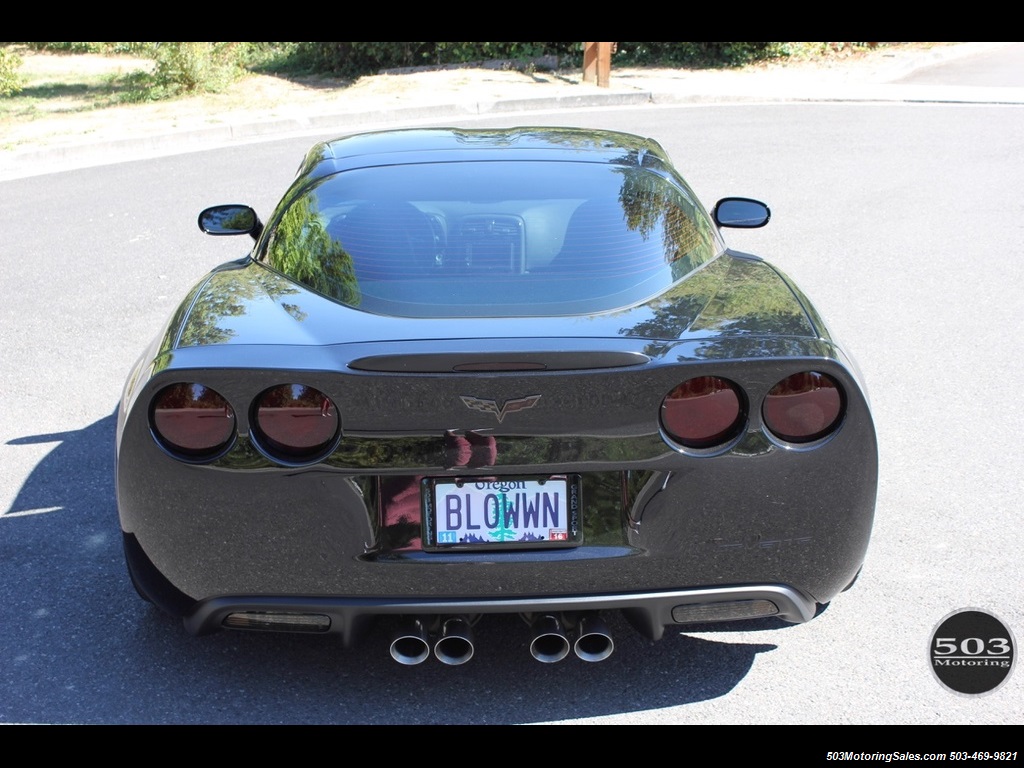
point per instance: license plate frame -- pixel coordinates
(462, 513)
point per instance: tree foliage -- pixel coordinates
(303, 249)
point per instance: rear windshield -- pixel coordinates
(491, 239)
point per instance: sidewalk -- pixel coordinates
(273, 108)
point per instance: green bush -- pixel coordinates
(355, 59)
(10, 80)
(259, 56)
(195, 67)
(140, 49)
(697, 54)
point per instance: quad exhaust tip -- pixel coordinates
(411, 645)
(550, 644)
(593, 640)
(455, 646)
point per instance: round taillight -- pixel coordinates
(803, 407)
(295, 423)
(703, 412)
(192, 420)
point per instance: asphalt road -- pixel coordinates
(1002, 68)
(903, 221)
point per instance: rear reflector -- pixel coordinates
(731, 611)
(278, 622)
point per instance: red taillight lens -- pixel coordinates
(295, 422)
(192, 420)
(703, 412)
(803, 407)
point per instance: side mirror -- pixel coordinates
(230, 220)
(741, 213)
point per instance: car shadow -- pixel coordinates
(81, 647)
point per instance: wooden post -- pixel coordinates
(597, 63)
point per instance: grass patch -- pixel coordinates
(70, 97)
(60, 84)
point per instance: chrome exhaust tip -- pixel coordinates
(455, 646)
(411, 644)
(549, 644)
(593, 640)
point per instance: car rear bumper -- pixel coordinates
(649, 613)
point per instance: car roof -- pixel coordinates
(423, 145)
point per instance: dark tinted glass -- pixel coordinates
(491, 239)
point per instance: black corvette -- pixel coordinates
(470, 372)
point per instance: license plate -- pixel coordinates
(502, 512)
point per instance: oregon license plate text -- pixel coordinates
(503, 511)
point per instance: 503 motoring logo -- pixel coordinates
(971, 652)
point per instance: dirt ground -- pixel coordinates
(62, 122)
